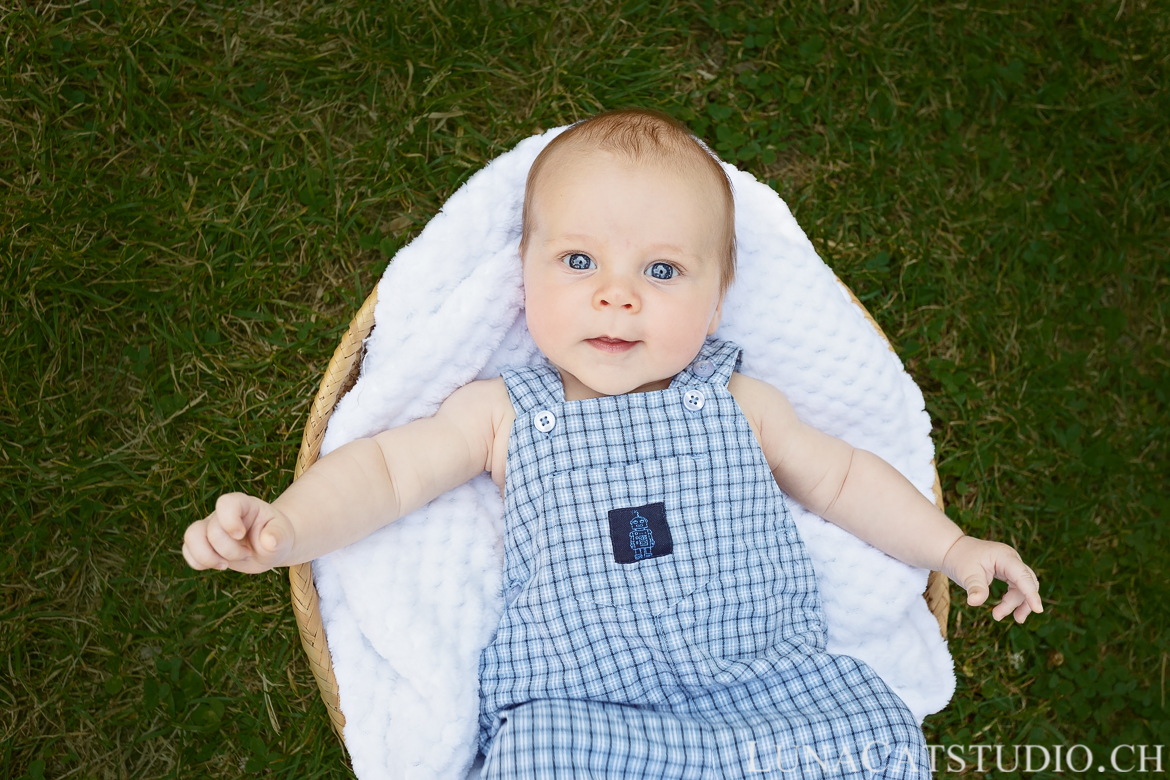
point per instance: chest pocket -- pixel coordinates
(586, 564)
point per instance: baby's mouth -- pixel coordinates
(612, 346)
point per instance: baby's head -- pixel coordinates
(647, 139)
(628, 247)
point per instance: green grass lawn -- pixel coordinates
(194, 198)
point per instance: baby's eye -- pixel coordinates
(662, 270)
(579, 262)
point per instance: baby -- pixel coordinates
(662, 616)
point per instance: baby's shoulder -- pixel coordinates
(483, 409)
(754, 392)
(480, 401)
(768, 412)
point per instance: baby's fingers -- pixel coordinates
(224, 545)
(1013, 601)
(235, 512)
(976, 584)
(228, 526)
(197, 550)
(1020, 577)
(274, 539)
(1022, 612)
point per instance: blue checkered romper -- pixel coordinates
(662, 615)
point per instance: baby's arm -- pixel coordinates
(358, 488)
(870, 499)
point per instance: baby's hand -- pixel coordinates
(974, 563)
(244, 534)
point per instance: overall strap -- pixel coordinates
(714, 365)
(533, 388)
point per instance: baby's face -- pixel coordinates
(621, 272)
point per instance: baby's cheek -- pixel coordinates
(685, 332)
(538, 319)
(548, 325)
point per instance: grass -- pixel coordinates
(195, 197)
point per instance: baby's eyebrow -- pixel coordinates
(675, 248)
(566, 238)
(571, 238)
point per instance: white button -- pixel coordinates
(693, 400)
(703, 368)
(545, 421)
(513, 592)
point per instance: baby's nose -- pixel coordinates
(614, 300)
(616, 293)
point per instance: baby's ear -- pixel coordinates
(716, 318)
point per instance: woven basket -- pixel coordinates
(340, 376)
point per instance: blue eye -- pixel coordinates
(579, 262)
(662, 271)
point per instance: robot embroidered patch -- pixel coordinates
(638, 533)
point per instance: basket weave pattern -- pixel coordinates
(340, 377)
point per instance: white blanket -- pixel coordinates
(408, 609)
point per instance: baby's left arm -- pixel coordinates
(870, 499)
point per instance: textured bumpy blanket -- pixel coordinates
(408, 609)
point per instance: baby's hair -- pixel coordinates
(641, 134)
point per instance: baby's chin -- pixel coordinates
(596, 386)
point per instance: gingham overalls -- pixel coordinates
(662, 615)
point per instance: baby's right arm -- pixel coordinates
(356, 489)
